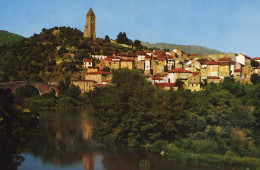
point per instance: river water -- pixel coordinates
(63, 141)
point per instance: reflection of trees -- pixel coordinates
(62, 138)
(15, 125)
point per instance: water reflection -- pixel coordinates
(64, 142)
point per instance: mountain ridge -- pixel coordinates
(9, 38)
(191, 49)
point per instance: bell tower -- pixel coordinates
(90, 28)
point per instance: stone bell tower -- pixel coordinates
(90, 28)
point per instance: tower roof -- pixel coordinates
(90, 12)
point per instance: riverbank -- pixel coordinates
(228, 160)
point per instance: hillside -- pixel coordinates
(9, 38)
(191, 49)
(50, 55)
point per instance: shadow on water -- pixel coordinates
(64, 141)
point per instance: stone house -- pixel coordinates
(96, 76)
(170, 62)
(166, 86)
(224, 70)
(212, 68)
(92, 69)
(84, 85)
(157, 80)
(194, 81)
(179, 73)
(245, 62)
(127, 64)
(158, 65)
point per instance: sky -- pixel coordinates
(225, 25)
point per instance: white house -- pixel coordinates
(87, 63)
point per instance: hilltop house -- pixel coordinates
(87, 63)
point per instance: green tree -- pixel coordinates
(137, 43)
(179, 83)
(14, 128)
(64, 85)
(107, 38)
(255, 78)
(254, 63)
(73, 91)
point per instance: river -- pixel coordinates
(64, 141)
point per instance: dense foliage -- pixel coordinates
(54, 51)
(223, 119)
(9, 38)
(15, 125)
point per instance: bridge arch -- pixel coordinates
(26, 91)
(41, 87)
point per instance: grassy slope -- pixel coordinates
(9, 38)
(191, 49)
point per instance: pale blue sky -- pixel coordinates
(225, 25)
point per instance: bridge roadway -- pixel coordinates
(41, 87)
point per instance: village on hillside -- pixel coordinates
(164, 69)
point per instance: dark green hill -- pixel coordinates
(191, 49)
(49, 55)
(9, 38)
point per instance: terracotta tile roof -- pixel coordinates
(157, 78)
(161, 59)
(225, 63)
(224, 59)
(196, 73)
(179, 70)
(169, 56)
(203, 61)
(161, 74)
(165, 84)
(147, 56)
(237, 70)
(127, 60)
(87, 60)
(157, 52)
(131, 54)
(246, 56)
(212, 63)
(105, 80)
(213, 77)
(99, 85)
(108, 59)
(140, 52)
(256, 58)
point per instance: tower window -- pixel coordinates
(92, 18)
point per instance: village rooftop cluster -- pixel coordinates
(163, 69)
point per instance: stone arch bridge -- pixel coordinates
(41, 87)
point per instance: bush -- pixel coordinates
(158, 146)
(205, 146)
(67, 102)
